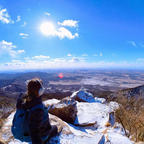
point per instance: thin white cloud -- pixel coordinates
(24, 24)
(9, 48)
(5, 17)
(24, 35)
(70, 23)
(18, 18)
(47, 13)
(43, 62)
(20, 51)
(75, 62)
(58, 60)
(133, 43)
(41, 57)
(61, 33)
(76, 59)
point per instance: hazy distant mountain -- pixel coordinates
(137, 92)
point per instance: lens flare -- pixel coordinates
(60, 75)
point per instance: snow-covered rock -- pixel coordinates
(51, 102)
(100, 100)
(92, 114)
(66, 109)
(113, 105)
(84, 96)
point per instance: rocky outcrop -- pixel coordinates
(66, 109)
(84, 96)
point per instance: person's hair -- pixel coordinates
(33, 87)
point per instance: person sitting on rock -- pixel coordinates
(37, 127)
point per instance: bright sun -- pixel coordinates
(47, 28)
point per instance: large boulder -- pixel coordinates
(84, 96)
(66, 109)
(96, 114)
(89, 114)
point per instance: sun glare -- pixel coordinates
(47, 28)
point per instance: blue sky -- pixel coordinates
(71, 34)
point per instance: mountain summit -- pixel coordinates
(94, 121)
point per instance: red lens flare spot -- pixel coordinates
(60, 75)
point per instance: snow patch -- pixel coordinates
(95, 113)
(51, 102)
(116, 138)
